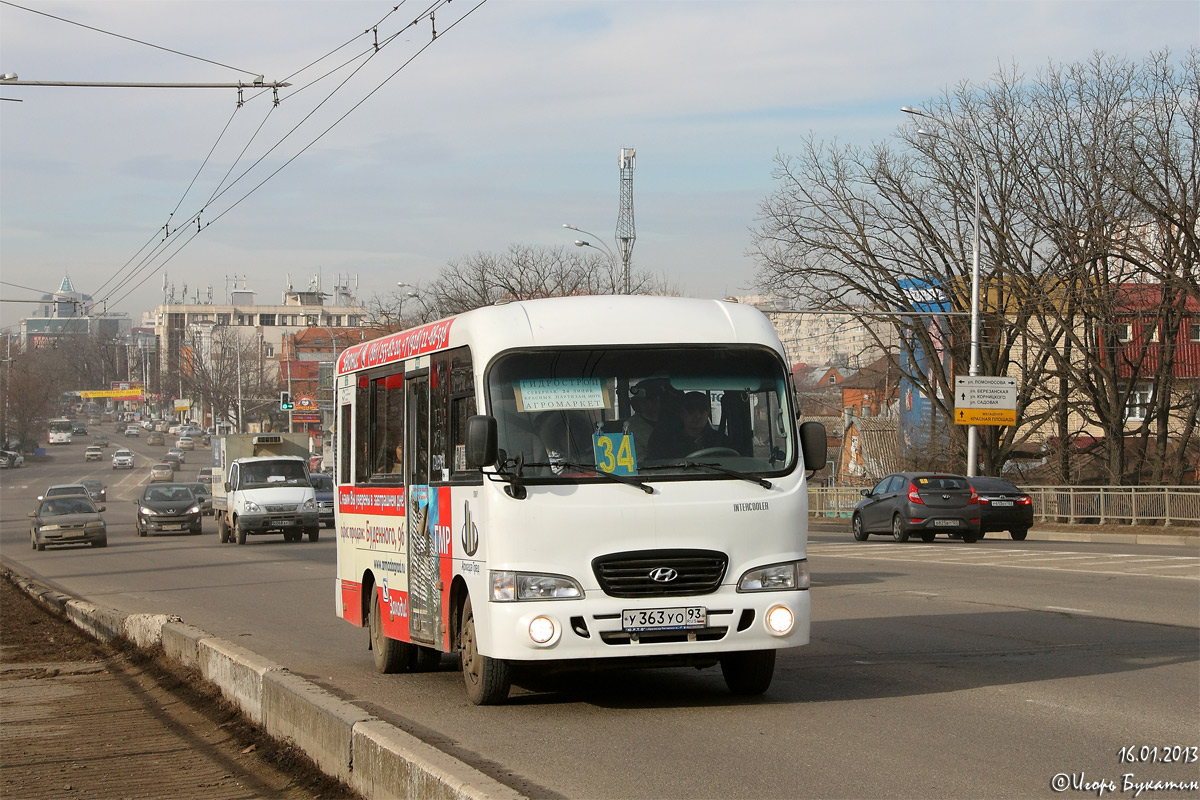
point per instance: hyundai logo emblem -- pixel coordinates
(663, 574)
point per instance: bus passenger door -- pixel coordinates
(424, 599)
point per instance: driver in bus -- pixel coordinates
(691, 432)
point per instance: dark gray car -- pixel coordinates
(924, 503)
(323, 485)
(167, 507)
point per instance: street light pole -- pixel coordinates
(973, 430)
(611, 255)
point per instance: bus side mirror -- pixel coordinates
(481, 441)
(813, 445)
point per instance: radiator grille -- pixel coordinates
(630, 574)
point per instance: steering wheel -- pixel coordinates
(713, 451)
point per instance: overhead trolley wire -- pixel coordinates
(219, 192)
(129, 38)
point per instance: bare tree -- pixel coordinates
(33, 388)
(526, 272)
(1089, 180)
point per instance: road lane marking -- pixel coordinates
(1129, 564)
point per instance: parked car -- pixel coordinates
(61, 489)
(148, 424)
(161, 425)
(178, 453)
(1003, 507)
(95, 489)
(324, 487)
(10, 459)
(133, 430)
(172, 458)
(925, 503)
(185, 443)
(162, 471)
(67, 519)
(155, 438)
(203, 496)
(122, 459)
(167, 507)
(93, 453)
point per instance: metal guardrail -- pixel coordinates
(1080, 505)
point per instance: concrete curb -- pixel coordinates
(371, 756)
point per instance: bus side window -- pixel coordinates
(362, 428)
(387, 409)
(462, 407)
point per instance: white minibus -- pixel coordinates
(572, 483)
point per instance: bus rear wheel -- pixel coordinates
(390, 655)
(488, 680)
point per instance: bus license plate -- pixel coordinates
(945, 523)
(659, 619)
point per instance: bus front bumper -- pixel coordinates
(601, 629)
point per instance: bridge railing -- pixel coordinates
(1079, 505)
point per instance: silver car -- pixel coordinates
(67, 519)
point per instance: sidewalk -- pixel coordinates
(81, 719)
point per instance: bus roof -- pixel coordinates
(571, 321)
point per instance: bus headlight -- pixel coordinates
(780, 619)
(543, 630)
(775, 578)
(509, 586)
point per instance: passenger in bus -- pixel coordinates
(646, 397)
(398, 459)
(690, 432)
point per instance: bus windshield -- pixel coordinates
(679, 412)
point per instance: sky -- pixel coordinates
(498, 130)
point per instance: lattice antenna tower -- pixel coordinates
(626, 230)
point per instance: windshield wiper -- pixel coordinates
(625, 479)
(763, 482)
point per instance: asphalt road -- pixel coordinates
(941, 670)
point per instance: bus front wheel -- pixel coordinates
(487, 679)
(748, 673)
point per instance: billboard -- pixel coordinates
(923, 430)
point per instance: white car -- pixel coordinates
(133, 430)
(122, 459)
(185, 443)
(93, 453)
(11, 460)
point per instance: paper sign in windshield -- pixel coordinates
(560, 394)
